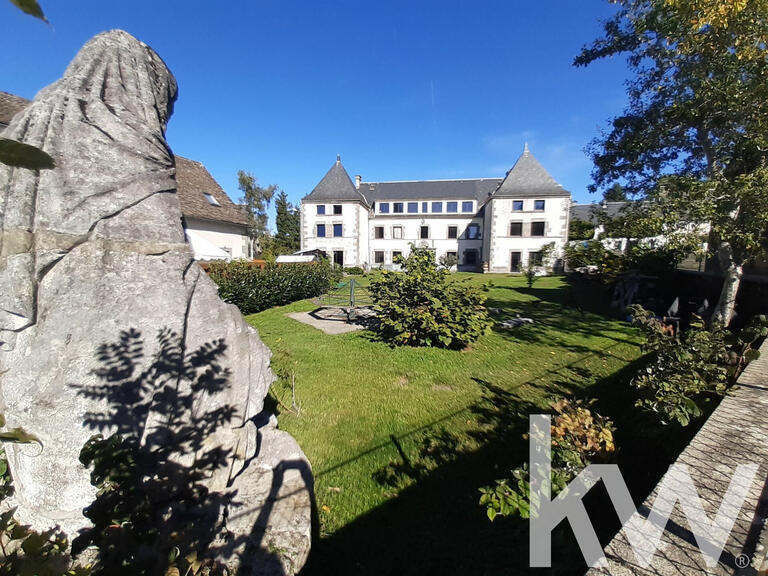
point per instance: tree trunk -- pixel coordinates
(731, 281)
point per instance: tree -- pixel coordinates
(421, 306)
(288, 221)
(256, 200)
(615, 194)
(693, 138)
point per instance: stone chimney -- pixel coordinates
(358, 179)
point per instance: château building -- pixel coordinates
(487, 224)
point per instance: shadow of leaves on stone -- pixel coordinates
(150, 459)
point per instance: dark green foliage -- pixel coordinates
(615, 194)
(533, 267)
(253, 289)
(580, 230)
(420, 307)
(354, 270)
(693, 368)
(20, 155)
(30, 7)
(610, 263)
(153, 512)
(288, 219)
(580, 437)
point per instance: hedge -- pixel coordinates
(253, 288)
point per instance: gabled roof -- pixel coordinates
(10, 105)
(193, 182)
(587, 212)
(335, 186)
(470, 189)
(529, 179)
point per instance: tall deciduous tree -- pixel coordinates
(288, 220)
(256, 200)
(694, 137)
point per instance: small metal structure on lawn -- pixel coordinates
(348, 302)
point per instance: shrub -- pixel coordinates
(579, 437)
(448, 260)
(690, 369)
(354, 270)
(420, 307)
(253, 289)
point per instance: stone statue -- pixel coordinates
(108, 326)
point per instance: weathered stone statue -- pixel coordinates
(107, 325)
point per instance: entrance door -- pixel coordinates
(515, 263)
(338, 257)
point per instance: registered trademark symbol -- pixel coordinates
(742, 561)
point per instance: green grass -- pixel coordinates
(380, 423)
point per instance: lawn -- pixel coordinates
(400, 439)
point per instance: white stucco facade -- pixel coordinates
(494, 225)
(231, 238)
(514, 233)
(337, 228)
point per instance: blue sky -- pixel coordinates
(402, 90)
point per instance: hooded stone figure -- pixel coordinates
(107, 325)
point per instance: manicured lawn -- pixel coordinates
(415, 432)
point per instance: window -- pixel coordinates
(378, 257)
(452, 206)
(473, 232)
(538, 205)
(534, 258)
(398, 208)
(337, 230)
(378, 232)
(413, 207)
(336, 209)
(516, 229)
(424, 232)
(321, 230)
(396, 254)
(397, 232)
(451, 255)
(453, 231)
(517, 205)
(470, 257)
(537, 228)
(383, 207)
(321, 209)
(437, 207)
(211, 200)
(424, 206)
(466, 206)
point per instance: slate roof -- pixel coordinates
(586, 212)
(193, 180)
(10, 105)
(529, 179)
(470, 189)
(335, 186)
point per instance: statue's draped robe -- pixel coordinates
(94, 248)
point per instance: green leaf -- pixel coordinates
(751, 355)
(19, 436)
(491, 514)
(20, 155)
(30, 7)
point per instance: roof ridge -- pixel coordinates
(432, 180)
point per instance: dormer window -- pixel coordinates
(211, 200)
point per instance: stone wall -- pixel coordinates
(736, 433)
